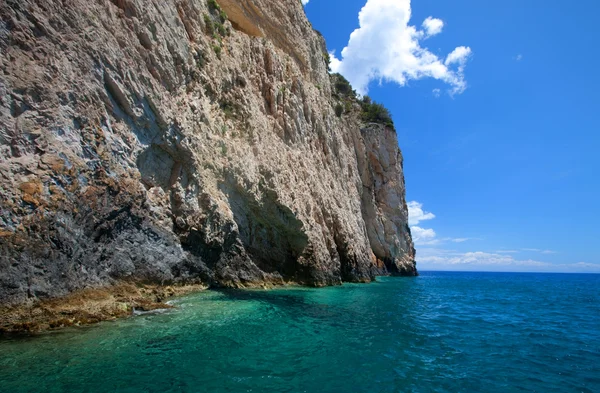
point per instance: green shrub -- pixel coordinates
(213, 27)
(229, 109)
(348, 106)
(213, 5)
(222, 16)
(342, 86)
(217, 50)
(200, 58)
(221, 29)
(373, 112)
(339, 109)
(208, 23)
(327, 59)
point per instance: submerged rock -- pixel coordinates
(166, 142)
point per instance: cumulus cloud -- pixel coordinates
(423, 236)
(416, 214)
(433, 26)
(386, 47)
(458, 56)
(305, 2)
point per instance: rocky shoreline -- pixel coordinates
(94, 305)
(89, 306)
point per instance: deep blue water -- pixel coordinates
(440, 332)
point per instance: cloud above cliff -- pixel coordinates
(387, 48)
(305, 2)
(433, 26)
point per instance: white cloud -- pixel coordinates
(305, 2)
(458, 56)
(484, 258)
(545, 252)
(435, 258)
(593, 267)
(386, 47)
(423, 236)
(460, 240)
(519, 57)
(431, 256)
(416, 214)
(436, 93)
(476, 258)
(433, 26)
(539, 250)
(334, 63)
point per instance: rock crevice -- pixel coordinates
(185, 142)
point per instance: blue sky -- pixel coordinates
(498, 117)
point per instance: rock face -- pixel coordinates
(165, 142)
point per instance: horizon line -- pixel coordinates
(501, 271)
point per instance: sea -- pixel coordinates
(439, 332)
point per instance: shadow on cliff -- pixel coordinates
(270, 231)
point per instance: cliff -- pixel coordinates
(186, 142)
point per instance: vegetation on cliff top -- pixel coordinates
(374, 112)
(371, 111)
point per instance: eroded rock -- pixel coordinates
(136, 146)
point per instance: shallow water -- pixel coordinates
(440, 332)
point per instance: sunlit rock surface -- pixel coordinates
(162, 142)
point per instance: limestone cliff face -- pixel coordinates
(161, 141)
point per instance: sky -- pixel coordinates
(498, 117)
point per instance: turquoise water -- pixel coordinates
(440, 332)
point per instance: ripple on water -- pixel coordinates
(441, 332)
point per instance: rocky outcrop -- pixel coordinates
(166, 142)
(89, 306)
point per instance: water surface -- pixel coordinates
(440, 332)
